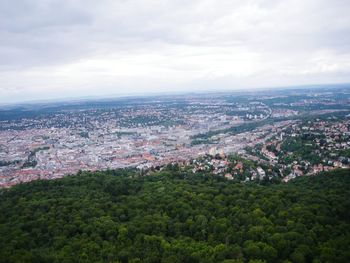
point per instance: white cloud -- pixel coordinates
(60, 49)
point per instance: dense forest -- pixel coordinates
(175, 216)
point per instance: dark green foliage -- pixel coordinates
(172, 216)
(7, 163)
(301, 149)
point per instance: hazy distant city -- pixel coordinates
(264, 135)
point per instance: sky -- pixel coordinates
(52, 49)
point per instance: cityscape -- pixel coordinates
(265, 135)
(200, 131)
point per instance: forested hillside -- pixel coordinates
(173, 216)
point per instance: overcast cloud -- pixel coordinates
(57, 49)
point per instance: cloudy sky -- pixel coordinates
(60, 48)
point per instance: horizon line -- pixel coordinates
(165, 93)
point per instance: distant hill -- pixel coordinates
(175, 216)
